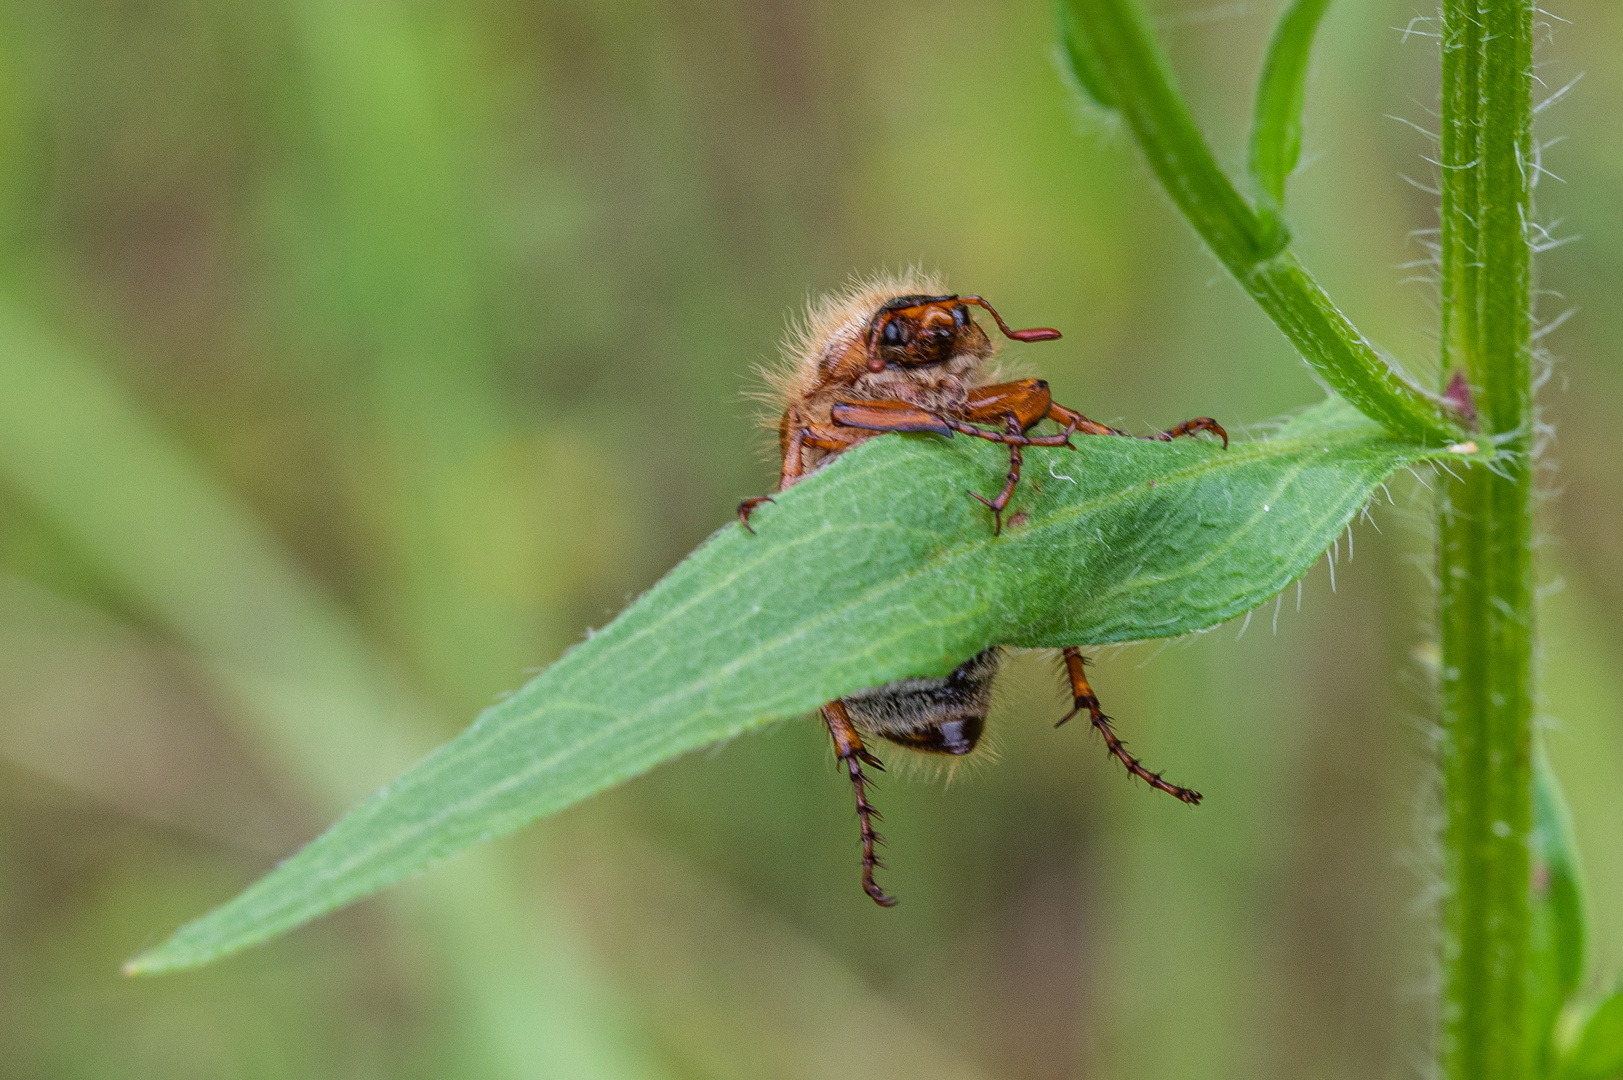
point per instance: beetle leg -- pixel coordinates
(996, 505)
(1013, 437)
(1027, 400)
(854, 422)
(791, 439)
(1030, 401)
(887, 416)
(831, 437)
(1061, 415)
(849, 751)
(899, 416)
(747, 507)
(879, 416)
(1084, 700)
(1190, 427)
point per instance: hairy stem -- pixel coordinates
(1485, 606)
(1117, 60)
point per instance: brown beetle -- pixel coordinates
(902, 354)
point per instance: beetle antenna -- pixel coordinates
(1036, 333)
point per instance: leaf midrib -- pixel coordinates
(933, 564)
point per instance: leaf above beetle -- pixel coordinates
(877, 567)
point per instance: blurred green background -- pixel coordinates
(357, 355)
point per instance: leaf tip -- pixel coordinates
(164, 958)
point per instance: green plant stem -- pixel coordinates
(1485, 530)
(1118, 61)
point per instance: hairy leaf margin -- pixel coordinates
(875, 568)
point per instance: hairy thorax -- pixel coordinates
(939, 388)
(943, 387)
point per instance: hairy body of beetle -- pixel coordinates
(938, 716)
(902, 354)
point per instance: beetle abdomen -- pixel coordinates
(940, 716)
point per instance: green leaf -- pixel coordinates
(875, 568)
(1594, 1041)
(1558, 929)
(1276, 120)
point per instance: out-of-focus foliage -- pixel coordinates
(1275, 146)
(456, 302)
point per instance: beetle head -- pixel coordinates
(920, 331)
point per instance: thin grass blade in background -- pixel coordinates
(1276, 123)
(1560, 933)
(327, 712)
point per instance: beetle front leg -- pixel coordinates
(1192, 427)
(1061, 415)
(1032, 394)
(1012, 436)
(1010, 481)
(1031, 403)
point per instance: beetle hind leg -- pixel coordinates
(849, 751)
(1084, 700)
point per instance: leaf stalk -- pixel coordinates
(1116, 59)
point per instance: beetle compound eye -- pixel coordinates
(892, 333)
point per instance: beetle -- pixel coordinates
(904, 355)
